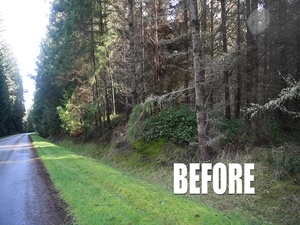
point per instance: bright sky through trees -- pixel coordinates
(24, 24)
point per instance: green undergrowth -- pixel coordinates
(175, 123)
(98, 193)
(279, 183)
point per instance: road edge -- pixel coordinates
(58, 201)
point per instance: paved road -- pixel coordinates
(25, 198)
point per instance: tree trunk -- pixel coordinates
(298, 43)
(142, 50)
(255, 56)
(212, 13)
(282, 38)
(199, 78)
(97, 112)
(225, 72)
(204, 26)
(249, 60)
(107, 101)
(266, 68)
(238, 69)
(104, 73)
(158, 75)
(112, 91)
(186, 31)
(132, 53)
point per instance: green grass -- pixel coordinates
(276, 201)
(100, 194)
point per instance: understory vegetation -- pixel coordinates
(177, 124)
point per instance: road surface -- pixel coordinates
(26, 197)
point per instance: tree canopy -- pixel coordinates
(12, 107)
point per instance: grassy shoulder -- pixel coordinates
(100, 194)
(277, 194)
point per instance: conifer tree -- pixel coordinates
(4, 103)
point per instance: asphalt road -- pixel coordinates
(25, 197)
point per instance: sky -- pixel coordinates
(24, 23)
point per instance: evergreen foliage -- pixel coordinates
(137, 117)
(4, 103)
(12, 107)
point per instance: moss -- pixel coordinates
(150, 149)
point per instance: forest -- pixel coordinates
(231, 67)
(12, 109)
(140, 85)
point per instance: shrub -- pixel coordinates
(293, 166)
(274, 128)
(284, 161)
(176, 123)
(231, 129)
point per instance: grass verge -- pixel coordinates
(277, 195)
(100, 194)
